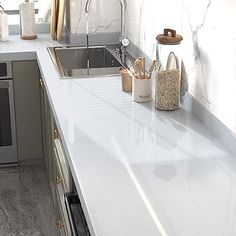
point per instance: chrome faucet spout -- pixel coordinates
(87, 4)
(123, 4)
(123, 41)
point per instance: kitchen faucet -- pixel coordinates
(123, 41)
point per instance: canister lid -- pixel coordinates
(169, 37)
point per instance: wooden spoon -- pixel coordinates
(138, 66)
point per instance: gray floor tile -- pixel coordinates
(26, 206)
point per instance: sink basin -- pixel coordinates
(77, 62)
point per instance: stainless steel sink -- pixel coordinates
(77, 62)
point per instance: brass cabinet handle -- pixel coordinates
(60, 225)
(58, 180)
(41, 83)
(56, 134)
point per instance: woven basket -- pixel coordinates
(167, 95)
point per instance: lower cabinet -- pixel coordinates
(70, 216)
(56, 163)
(63, 184)
(27, 109)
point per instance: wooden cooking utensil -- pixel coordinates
(53, 26)
(60, 20)
(138, 66)
(144, 65)
(153, 67)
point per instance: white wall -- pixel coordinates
(209, 46)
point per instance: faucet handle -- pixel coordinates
(125, 42)
(117, 50)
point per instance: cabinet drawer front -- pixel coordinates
(63, 164)
(60, 191)
(60, 222)
(63, 223)
(58, 176)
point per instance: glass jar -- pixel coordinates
(168, 81)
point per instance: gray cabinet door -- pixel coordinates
(47, 134)
(46, 115)
(28, 112)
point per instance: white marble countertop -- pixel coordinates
(138, 171)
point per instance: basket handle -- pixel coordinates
(171, 31)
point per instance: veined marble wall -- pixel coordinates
(104, 16)
(210, 56)
(209, 46)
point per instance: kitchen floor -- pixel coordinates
(26, 205)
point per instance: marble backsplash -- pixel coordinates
(104, 16)
(210, 56)
(209, 46)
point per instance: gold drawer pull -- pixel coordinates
(41, 83)
(56, 134)
(58, 180)
(60, 225)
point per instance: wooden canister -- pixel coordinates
(126, 80)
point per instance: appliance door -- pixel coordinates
(76, 216)
(5, 70)
(8, 148)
